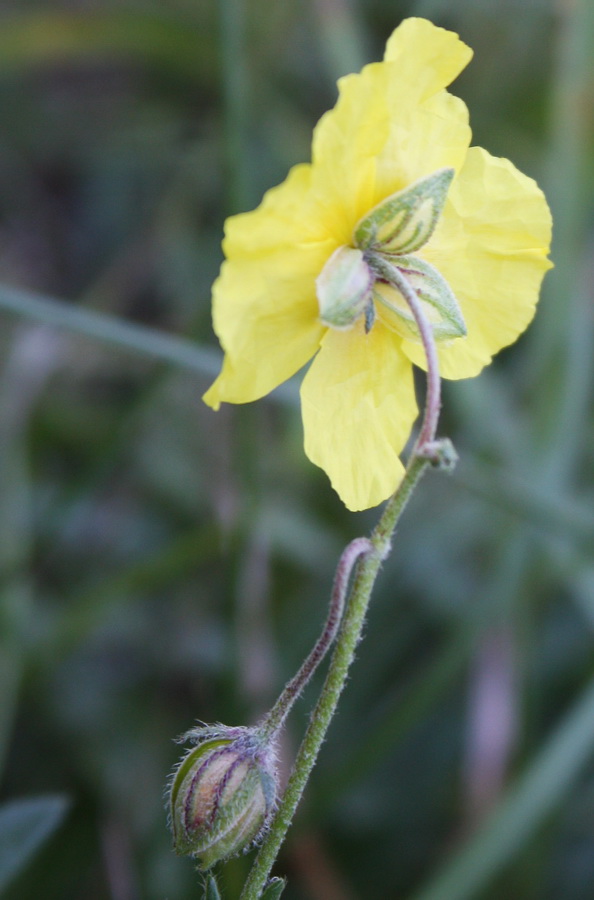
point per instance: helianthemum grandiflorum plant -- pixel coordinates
(399, 244)
(394, 194)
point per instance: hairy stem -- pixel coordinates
(348, 638)
(275, 719)
(392, 274)
(371, 554)
(428, 430)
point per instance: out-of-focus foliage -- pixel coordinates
(161, 563)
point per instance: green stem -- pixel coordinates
(349, 637)
(426, 451)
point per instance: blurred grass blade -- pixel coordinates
(29, 364)
(560, 515)
(24, 826)
(103, 327)
(341, 34)
(235, 87)
(86, 611)
(523, 810)
(561, 338)
(165, 348)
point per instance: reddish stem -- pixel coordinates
(425, 445)
(274, 720)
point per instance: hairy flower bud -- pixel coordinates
(222, 793)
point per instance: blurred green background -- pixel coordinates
(160, 563)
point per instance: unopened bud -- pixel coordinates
(344, 288)
(222, 793)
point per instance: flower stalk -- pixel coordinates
(275, 719)
(426, 438)
(370, 554)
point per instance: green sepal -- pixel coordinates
(236, 825)
(214, 816)
(274, 889)
(343, 288)
(369, 315)
(184, 843)
(440, 304)
(405, 221)
(211, 889)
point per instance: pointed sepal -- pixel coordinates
(222, 792)
(211, 888)
(405, 221)
(439, 302)
(274, 889)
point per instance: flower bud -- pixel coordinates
(344, 288)
(222, 793)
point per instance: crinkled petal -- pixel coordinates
(266, 317)
(428, 58)
(358, 406)
(393, 123)
(422, 140)
(346, 141)
(288, 215)
(491, 246)
(265, 310)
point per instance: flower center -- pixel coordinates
(362, 280)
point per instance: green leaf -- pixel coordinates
(211, 889)
(274, 889)
(407, 219)
(24, 826)
(439, 303)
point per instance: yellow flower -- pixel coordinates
(394, 124)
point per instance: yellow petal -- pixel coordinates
(346, 141)
(428, 58)
(392, 124)
(423, 139)
(265, 310)
(491, 246)
(266, 317)
(289, 214)
(358, 407)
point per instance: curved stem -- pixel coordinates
(433, 399)
(275, 719)
(348, 638)
(425, 451)
(392, 274)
